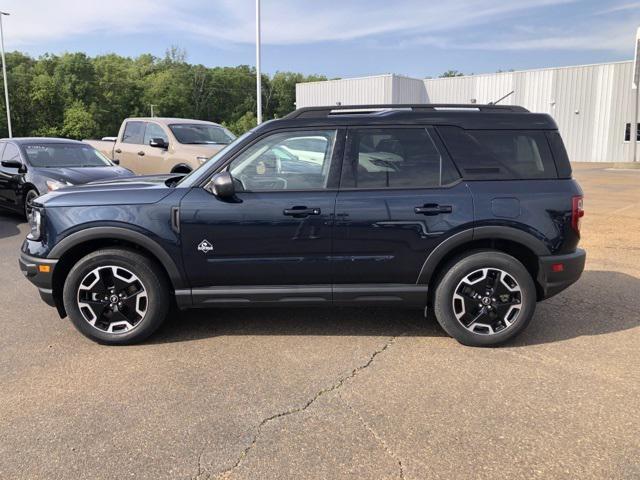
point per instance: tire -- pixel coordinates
(470, 315)
(29, 197)
(131, 312)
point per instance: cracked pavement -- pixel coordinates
(345, 393)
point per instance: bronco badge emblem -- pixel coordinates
(205, 246)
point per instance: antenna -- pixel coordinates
(502, 98)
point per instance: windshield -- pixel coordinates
(64, 155)
(201, 134)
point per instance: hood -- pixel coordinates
(126, 191)
(81, 175)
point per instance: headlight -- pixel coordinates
(35, 224)
(202, 160)
(53, 185)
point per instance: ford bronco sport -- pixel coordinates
(468, 210)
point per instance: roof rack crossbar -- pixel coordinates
(325, 111)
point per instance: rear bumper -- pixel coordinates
(43, 280)
(553, 281)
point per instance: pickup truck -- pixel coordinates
(164, 145)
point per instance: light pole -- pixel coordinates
(4, 74)
(258, 77)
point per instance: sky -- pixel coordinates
(337, 38)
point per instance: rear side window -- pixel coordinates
(560, 155)
(500, 154)
(133, 133)
(395, 158)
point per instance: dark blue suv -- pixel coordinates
(467, 210)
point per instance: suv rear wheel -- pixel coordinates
(116, 296)
(484, 298)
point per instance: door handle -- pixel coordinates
(141, 154)
(301, 212)
(117, 150)
(433, 209)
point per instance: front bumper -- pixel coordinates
(36, 271)
(552, 278)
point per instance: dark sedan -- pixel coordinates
(30, 167)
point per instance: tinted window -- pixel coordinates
(499, 154)
(133, 133)
(563, 166)
(396, 158)
(195, 134)
(11, 152)
(270, 163)
(57, 155)
(154, 131)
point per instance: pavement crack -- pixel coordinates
(380, 440)
(201, 470)
(243, 455)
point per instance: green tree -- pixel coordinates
(245, 123)
(78, 122)
(452, 73)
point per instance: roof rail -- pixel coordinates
(325, 111)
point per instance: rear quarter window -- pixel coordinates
(500, 154)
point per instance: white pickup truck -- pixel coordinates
(164, 145)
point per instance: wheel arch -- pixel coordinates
(521, 245)
(181, 168)
(75, 246)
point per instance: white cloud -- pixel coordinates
(34, 22)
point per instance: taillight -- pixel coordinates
(577, 212)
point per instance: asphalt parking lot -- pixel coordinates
(330, 394)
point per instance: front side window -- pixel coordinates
(500, 154)
(201, 134)
(396, 158)
(272, 163)
(133, 133)
(152, 131)
(60, 155)
(11, 152)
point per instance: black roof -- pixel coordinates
(36, 140)
(472, 116)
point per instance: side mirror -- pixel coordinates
(222, 185)
(13, 164)
(158, 143)
(116, 161)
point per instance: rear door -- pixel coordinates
(129, 149)
(400, 196)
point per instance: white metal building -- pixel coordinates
(594, 105)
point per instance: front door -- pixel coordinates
(10, 177)
(400, 196)
(274, 239)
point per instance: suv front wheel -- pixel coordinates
(484, 298)
(116, 296)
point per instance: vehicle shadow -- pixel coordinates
(600, 303)
(9, 225)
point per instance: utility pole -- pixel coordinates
(4, 74)
(258, 75)
(152, 113)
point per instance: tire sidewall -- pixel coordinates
(146, 271)
(463, 266)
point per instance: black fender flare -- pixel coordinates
(183, 166)
(478, 233)
(119, 233)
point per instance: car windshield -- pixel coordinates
(60, 155)
(201, 134)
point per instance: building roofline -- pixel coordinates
(532, 70)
